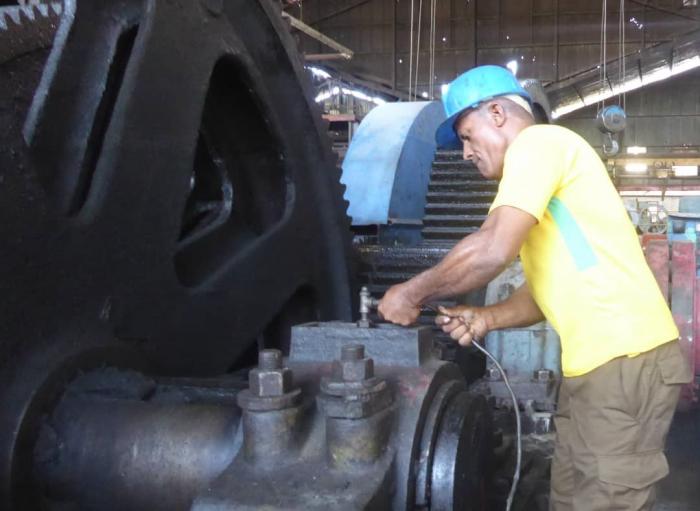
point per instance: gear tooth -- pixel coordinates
(26, 14)
(43, 9)
(27, 28)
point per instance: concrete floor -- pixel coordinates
(680, 491)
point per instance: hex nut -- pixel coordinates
(492, 374)
(543, 375)
(270, 382)
(357, 370)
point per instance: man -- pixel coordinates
(585, 273)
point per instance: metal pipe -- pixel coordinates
(116, 454)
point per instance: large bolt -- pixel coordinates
(270, 359)
(352, 352)
(354, 366)
(270, 378)
(367, 303)
(492, 374)
(543, 375)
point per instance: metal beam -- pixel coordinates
(369, 82)
(312, 32)
(325, 56)
(340, 11)
(664, 10)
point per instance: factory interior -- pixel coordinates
(203, 203)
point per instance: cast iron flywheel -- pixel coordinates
(168, 202)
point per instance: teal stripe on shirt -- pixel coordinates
(575, 239)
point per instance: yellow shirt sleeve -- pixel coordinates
(532, 173)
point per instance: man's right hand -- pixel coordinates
(464, 323)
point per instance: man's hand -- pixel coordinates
(464, 323)
(398, 307)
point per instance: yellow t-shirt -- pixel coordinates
(582, 261)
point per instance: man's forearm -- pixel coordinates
(470, 265)
(519, 310)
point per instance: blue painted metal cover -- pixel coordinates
(387, 167)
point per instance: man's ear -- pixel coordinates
(497, 113)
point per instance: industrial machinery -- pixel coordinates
(170, 208)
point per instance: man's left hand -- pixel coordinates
(398, 307)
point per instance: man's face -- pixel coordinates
(483, 141)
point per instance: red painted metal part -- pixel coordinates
(682, 292)
(674, 267)
(696, 333)
(657, 254)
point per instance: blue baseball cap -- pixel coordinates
(468, 91)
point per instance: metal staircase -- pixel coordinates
(458, 200)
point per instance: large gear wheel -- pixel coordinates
(168, 201)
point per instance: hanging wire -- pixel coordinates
(420, 15)
(624, 51)
(620, 53)
(430, 44)
(433, 16)
(432, 71)
(410, 54)
(603, 51)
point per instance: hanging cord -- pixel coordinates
(420, 15)
(410, 52)
(430, 51)
(433, 15)
(519, 441)
(603, 51)
(624, 51)
(432, 72)
(620, 53)
(518, 433)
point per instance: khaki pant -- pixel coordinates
(611, 429)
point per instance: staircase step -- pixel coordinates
(451, 163)
(437, 208)
(460, 197)
(442, 155)
(453, 220)
(448, 233)
(462, 185)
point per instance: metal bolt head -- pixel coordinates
(270, 359)
(270, 382)
(492, 374)
(352, 352)
(543, 375)
(357, 370)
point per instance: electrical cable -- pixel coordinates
(519, 446)
(367, 302)
(516, 409)
(410, 54)
(420, 15)
(431, 81)
(624, 51)
(603, 52)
